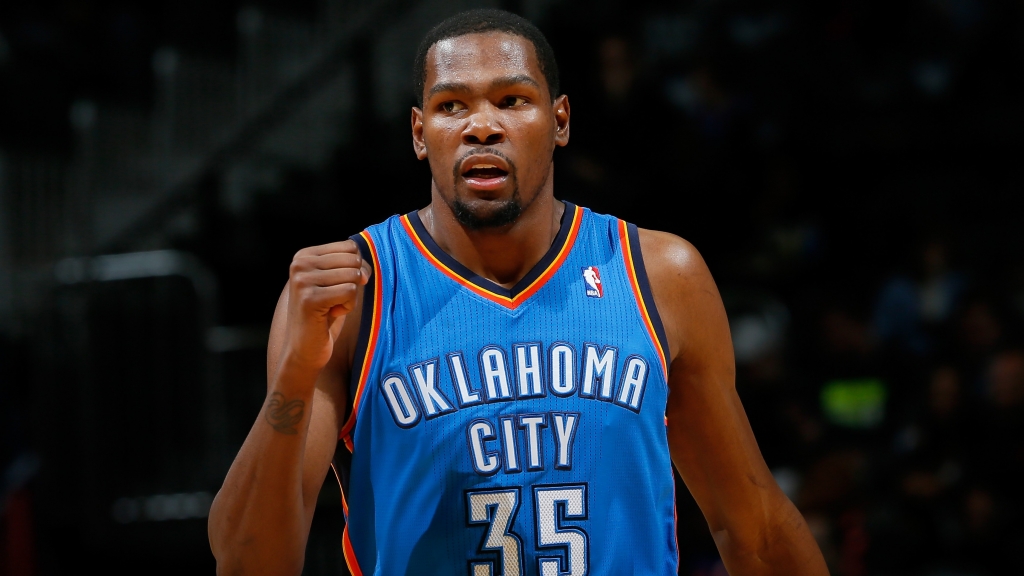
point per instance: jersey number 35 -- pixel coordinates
(553, 505)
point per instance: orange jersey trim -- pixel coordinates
(344, 503)
(350, 554)
(346, 542)
(510, 303)
(627, 254)
(371, 346)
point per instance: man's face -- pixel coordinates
(488, 126)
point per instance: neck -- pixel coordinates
(503, 255)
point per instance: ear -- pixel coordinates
(560, 107)
(419, 145)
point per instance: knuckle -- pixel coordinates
(310, 297)
(299, 278)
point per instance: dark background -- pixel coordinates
(849, 170)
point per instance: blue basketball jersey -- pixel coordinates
(512, 431)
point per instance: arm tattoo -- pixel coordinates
(284, 415)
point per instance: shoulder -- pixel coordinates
(672, 263)
(669, 255)
(682, 285)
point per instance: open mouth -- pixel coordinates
(485, 172)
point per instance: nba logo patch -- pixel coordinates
(592, 281)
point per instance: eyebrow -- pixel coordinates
(503, 82)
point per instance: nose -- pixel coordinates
(483, 129)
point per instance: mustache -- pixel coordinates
(484, 150)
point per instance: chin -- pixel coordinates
(484, 214)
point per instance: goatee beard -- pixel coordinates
(506, 214)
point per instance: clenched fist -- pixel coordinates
(323, 282)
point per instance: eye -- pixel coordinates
(512, 101)
(452, 107)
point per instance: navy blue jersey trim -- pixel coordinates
(645, 290)
(365, 322)
(479, 281)
(342, 462)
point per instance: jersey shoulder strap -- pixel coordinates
(376, 246)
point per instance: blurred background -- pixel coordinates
(848, 169)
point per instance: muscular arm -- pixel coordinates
(260, 519)
(757, 529)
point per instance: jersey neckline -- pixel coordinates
(541, 272)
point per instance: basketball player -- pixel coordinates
(512, 376)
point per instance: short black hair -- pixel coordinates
(486, 20)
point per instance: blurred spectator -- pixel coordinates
(991, 534)
(909, 308)
(1000, 453)
(934, 444)
(832, 500)
(977, 334)
(619, 160)
(786, 430)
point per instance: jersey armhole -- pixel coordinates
(362, 362)
(629, 236)
(366, 340)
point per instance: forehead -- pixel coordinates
(480, 56)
